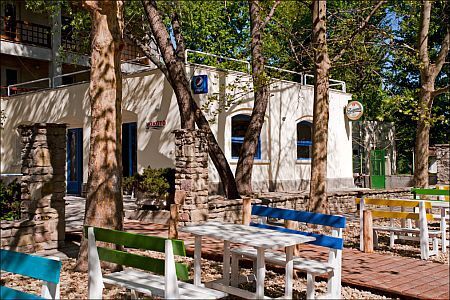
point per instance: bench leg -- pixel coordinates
(50, 290)
(289, 272)
(391, 239)
(197, 261)
(310, 280)
(260, 273)
(226, 262)
(375, 239)
(133, 294)
(235, 269)
(435, 245)
(443, 231)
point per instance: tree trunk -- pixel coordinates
(261, 98)
(104, 204)
(189, 110)
(318, 186)
(423, 135)
(425, 100)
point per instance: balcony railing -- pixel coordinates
(25, 32)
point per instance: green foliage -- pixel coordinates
(10, 200)
(155, 183)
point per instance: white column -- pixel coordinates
(56, 63)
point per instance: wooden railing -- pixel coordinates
(25, 32)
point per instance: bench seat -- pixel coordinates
(279, 258)
(153, 285)
(406, 230)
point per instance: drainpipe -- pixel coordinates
(56, 63)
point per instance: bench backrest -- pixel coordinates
(138, 241)
(336, 222)
(441, 193)
(379, 213)
(30, 265)
(41, 268)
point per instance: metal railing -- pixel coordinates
(12, 86)
(303, 77)
(25, 32)
(186, 52)
(14, 90)
(332, 83)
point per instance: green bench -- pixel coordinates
(162, 282)
(41, 268)
(439, 198)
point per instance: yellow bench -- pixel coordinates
(421, 234)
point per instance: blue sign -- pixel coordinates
(199, 84)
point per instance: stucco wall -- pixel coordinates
(149, 97)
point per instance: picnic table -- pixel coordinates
(259, 238)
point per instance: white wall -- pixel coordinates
(149, 97)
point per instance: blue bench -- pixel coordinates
(313, 268)
(45, 269)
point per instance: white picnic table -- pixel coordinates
(259, 238)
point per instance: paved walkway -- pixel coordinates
(392, 275)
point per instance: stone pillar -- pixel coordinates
(43, 179)
(443, 163)
(191, 176)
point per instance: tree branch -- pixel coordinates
(440, 60)
(439, 91)
(358, 30)
(179, 39)
(270, 15)
(147, 50)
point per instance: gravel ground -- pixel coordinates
(74, 284)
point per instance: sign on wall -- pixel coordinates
(354, 110)
(199, 84)
(155, 124)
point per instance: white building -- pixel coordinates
(150, 113)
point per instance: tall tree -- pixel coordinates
(428, 74)
(174, 70)
(261, 98)
(104, 203)
(322, 64)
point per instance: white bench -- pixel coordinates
(331, 268)
(162, 283)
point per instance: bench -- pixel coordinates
(313, 268)
(41, 268)
(421, 233)
(162, 282)
(438, 197)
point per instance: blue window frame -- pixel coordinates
(304, 140)
(239, 125)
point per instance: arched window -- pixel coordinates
(304, 140)
(239, 125)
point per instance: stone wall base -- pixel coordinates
(29, 236)
(342, 202)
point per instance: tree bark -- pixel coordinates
(261, 98)
(175, 72)
(104, 203)
(428, 74)
(318, 201)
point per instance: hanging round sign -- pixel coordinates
(354, 110)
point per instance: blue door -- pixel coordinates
(129, 149)
(74, 160)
